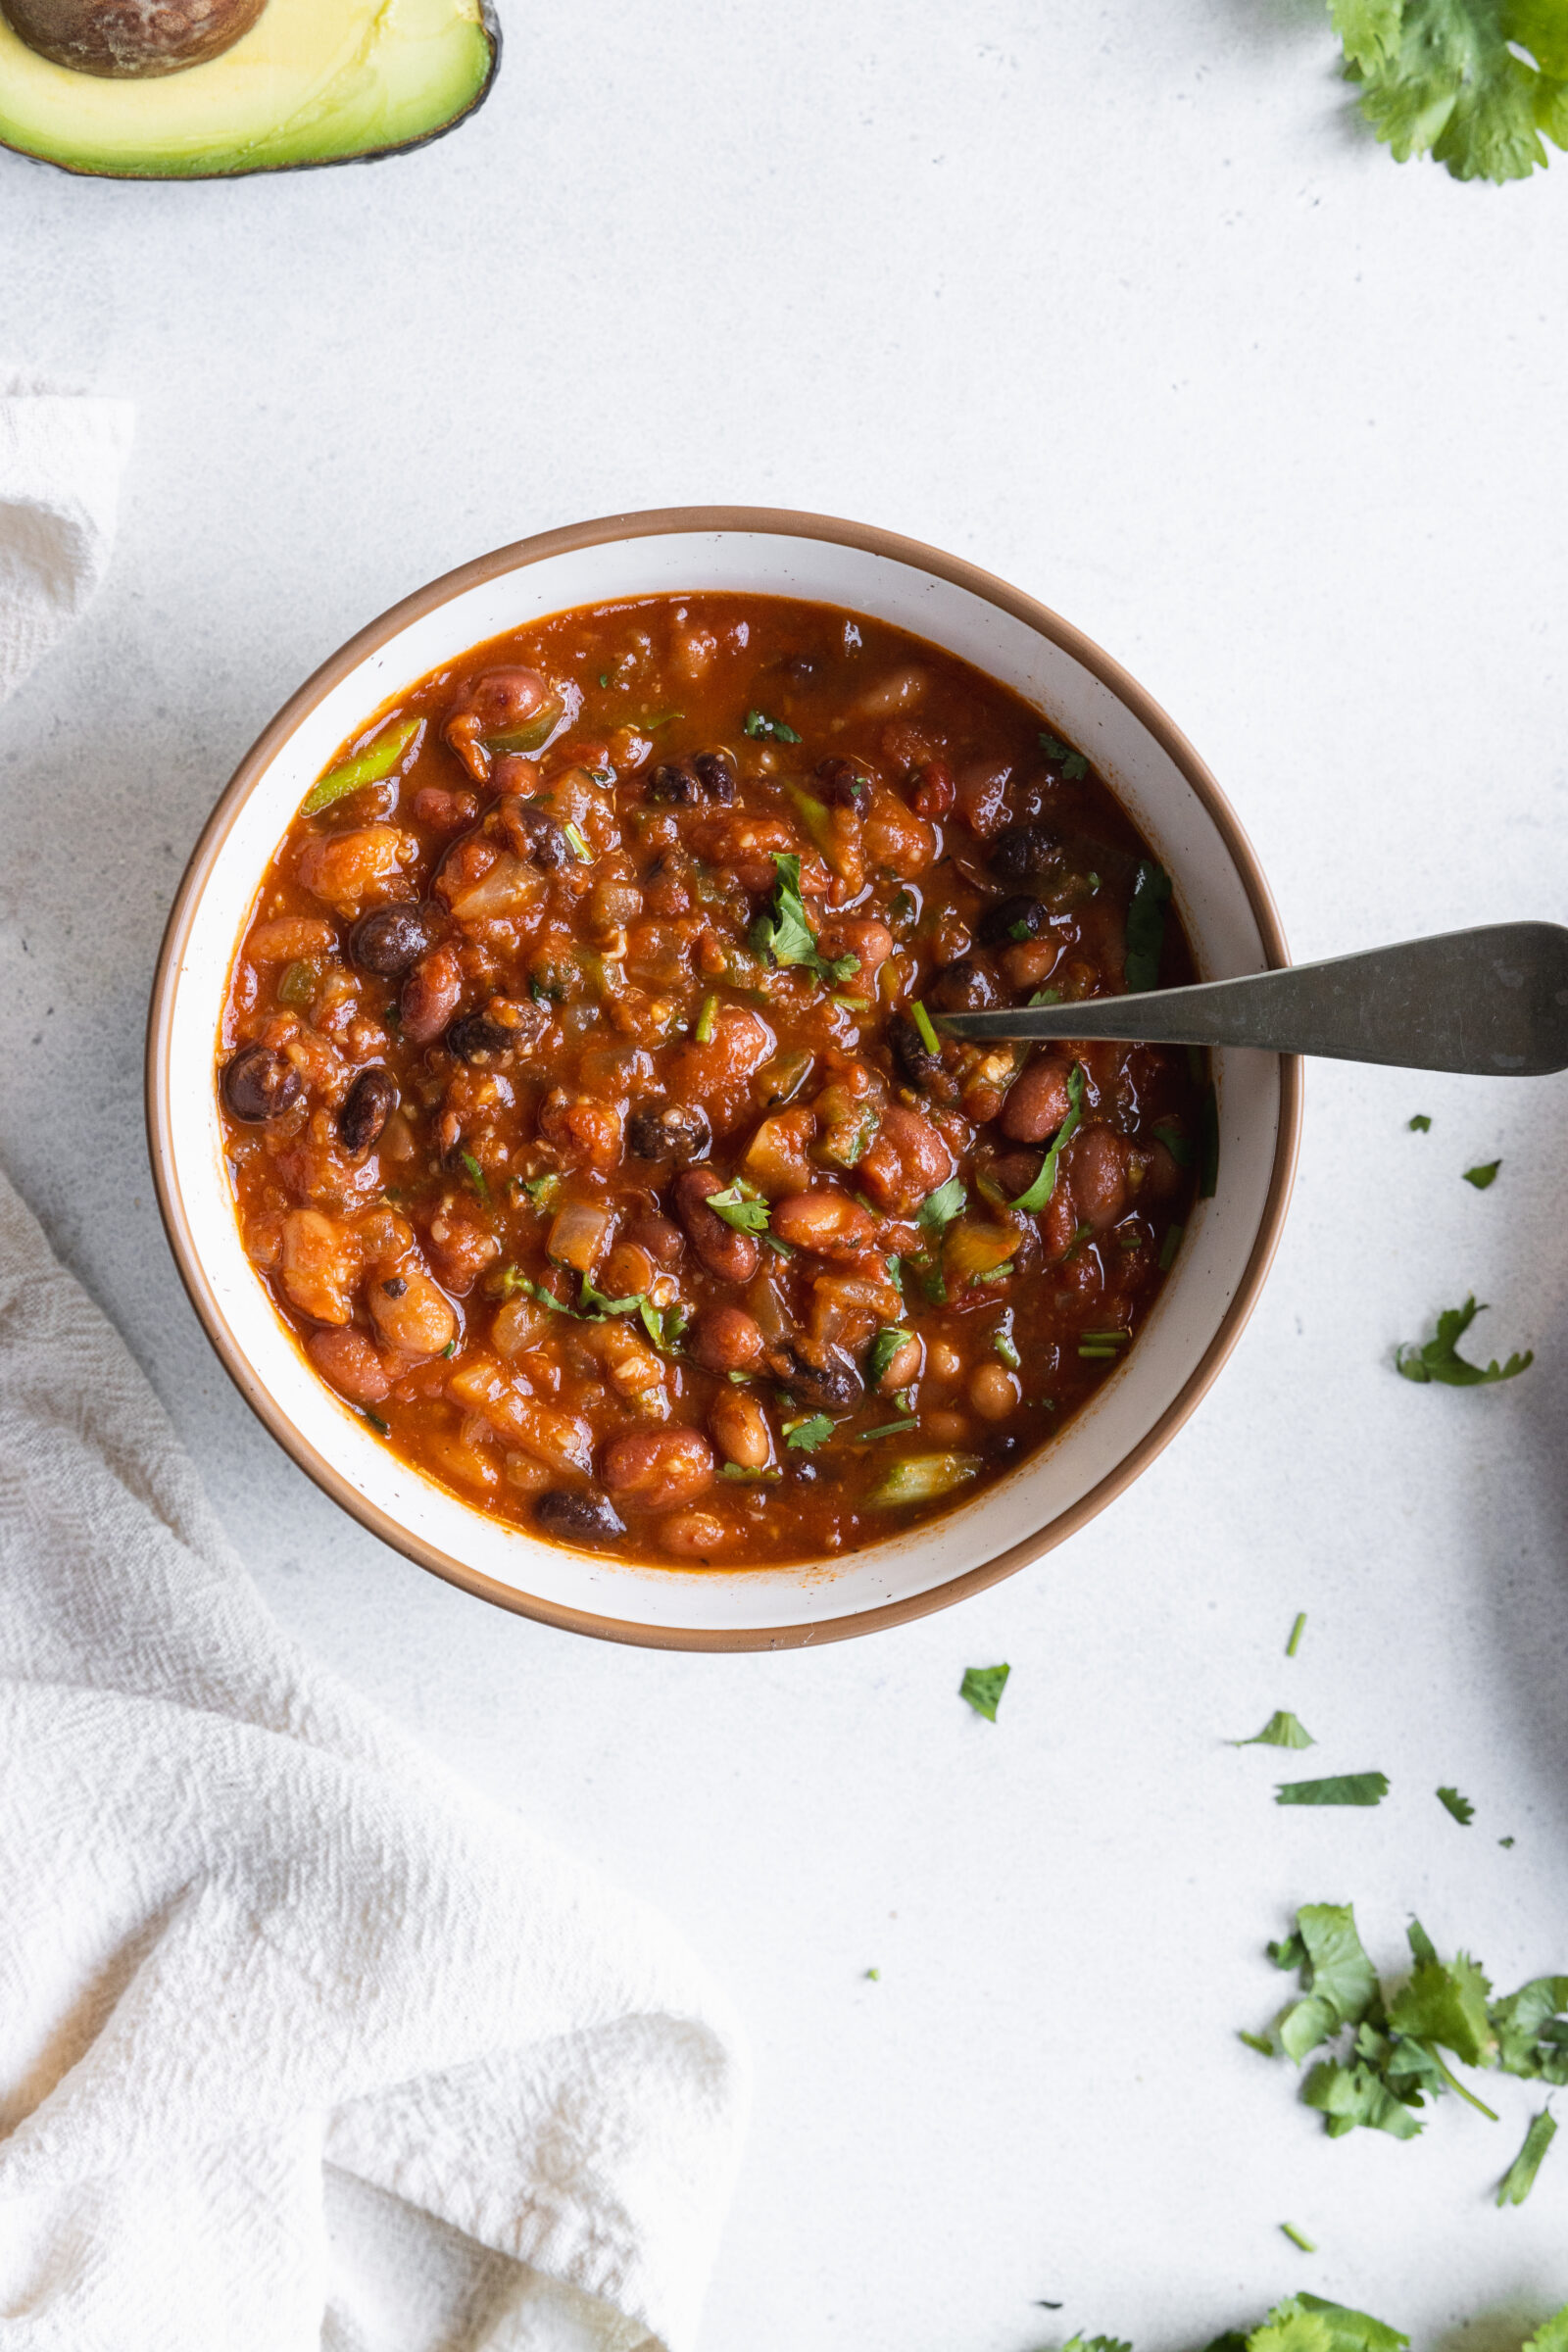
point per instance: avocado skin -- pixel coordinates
(489, 25)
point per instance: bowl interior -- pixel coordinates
(1160, 783)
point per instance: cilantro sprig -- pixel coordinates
(1476, 84)
(783, 932)
(1438, 1359)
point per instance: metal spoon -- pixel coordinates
(1493, 1001)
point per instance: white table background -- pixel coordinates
(1114, 297)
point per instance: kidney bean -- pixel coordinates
(258, 1085)
(1098, 1167)
(347, 1360)
(967, 986)
(826, 1221)
(659, 1469)
(390, 939)
(628, 1272)
(664, 1241)
(430, 995)
(677, 1131)
(725, 1338)
(1023, 850)
(740, 1429)
(365, 1111)
(729, 1255)
(1036, 1101)
(578, 1517)
(1013, 919)
(907, 1160)
(935, 789)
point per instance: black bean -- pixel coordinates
(259, 1084)
(912, 1057)
(579, 1518)
(677, 1131)
(1022, 851)
(716, 773)
(547, 843)
(365, 1109)
(843, 785)
(394, 1286)
(390, 939)
(474, 1037)
(1003, 1447)
(827, 1379)
(677, 785)
(1012, 921)
(967, 986)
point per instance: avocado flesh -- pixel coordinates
(313, 82)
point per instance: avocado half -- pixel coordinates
(313, 81)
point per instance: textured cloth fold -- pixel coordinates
(61, 458)
(302, 2042)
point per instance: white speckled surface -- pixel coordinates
(1111, 299)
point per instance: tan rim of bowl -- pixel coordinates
(661, 521)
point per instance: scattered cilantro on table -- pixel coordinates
(1420, 1124)
(1476, 84)
(1483, 1175)
(1282, 1730)
(982, 1687)
(1461, 1807)
(1520, 2177)
(1337, 1788)
(1438, 1359)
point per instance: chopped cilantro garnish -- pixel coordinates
(376, 1422)
(1002, 1343)
(1038, 1196)
(805, 1437)
(982, 1687)
(939, 1209)
(703, 1031)
(451, 1347)
(1420, 1124)
(1520, 2177)
(603, 678)
(742, 1205)
(783, 932)
(889, 1429)
(769, 730)
(595, 1308)
(1340, 1789)
(1461, 1807)
(476, 1175)
(1045, 996)
(1298, 2238)
(1169, 1247)
(1175, 1143)
(1145, 926)
(884, 1348)
(1440, 1360)
(767, 1477)
(580, 849)
(874, 1976)
(539, 1188)
(1483, 1175)
(1282, 1730)
(1296, 1631)
(664, 1325)
(895, 1273)
(1072, 764)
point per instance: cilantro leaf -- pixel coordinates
(1532, 2031)
(476, 1175)
(1351, 2095)
(664, 1324)
(1340, 1788)
(1038, 1197)
(1439, 1358)
(982, 1687)
(1348, 2331)
(742, 1205)
(1282, 1730)
(884, 1348)
(1520, 2177)
(1420, 1124)
(939, 1209)
(1483, 1175)
(769, 730)
(781, 931)
(1442, 77)
(1074, 766)
(1552, 2335)
(1461, 1807)
(805, 1437)
(1337, 1959)
(1445, 2002)
(1145, 926)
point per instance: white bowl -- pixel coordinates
(1224, 903)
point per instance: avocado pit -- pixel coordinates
(130, 40)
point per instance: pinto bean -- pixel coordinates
(1012, 919)
(725, 1338)
(902, 1366)
(860, 936)
(579, 1516)
(659, 1469)
(994, 1391)
(1036, 1101)
(699, 1536)
(259, 1085)
(664, 1241)
(824, 1221)
(907, 1160)
(967, 986)
(1021, 851)
(430, 995)
(408, 1311)
(387, 941)
(740, 1429)
(677, 1131)
(728, 1255)
(365, 1111)
(346, 1358)
(499, 703)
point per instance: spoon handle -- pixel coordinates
(1491, 1001)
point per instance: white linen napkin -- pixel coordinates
(302, 2042)
(61, 460)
